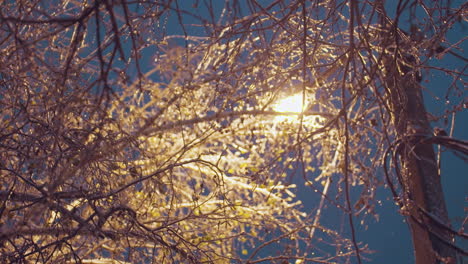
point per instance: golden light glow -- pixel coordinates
(291, 104)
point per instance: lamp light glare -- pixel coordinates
(290, 104)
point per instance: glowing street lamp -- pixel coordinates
(290, 108)
(290, 105)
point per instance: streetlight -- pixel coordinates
(293, 106)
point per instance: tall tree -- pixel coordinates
(161, 131)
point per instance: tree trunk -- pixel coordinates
(422, 189)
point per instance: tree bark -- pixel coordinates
(421, 184)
